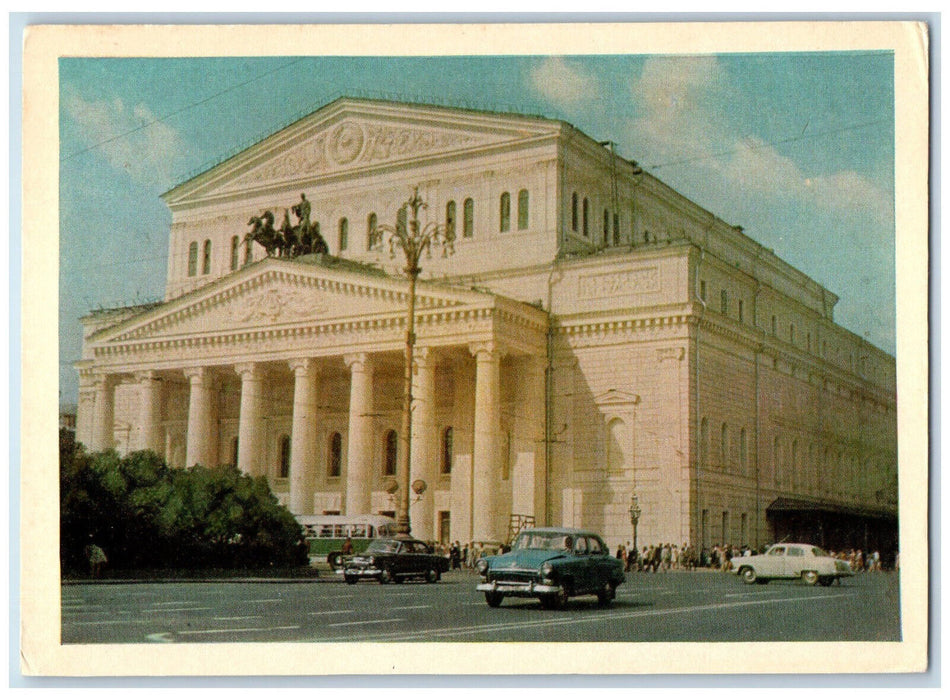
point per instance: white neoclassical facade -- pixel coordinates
(594, 335)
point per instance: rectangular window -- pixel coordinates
(522, 210)
(740, 310)
(445, 526)
(724, 301)
(702, 289)
(468, 218)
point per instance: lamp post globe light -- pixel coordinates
(634, 517)
(413, 239)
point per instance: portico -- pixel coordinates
(325, 395)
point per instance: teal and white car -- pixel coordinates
(551, 564)
(811, 564)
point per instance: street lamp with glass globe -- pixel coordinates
(413, 239)
(634, 517)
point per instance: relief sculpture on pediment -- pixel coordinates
(353, 142)
(272, 304)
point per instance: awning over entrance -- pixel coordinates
(789, 506)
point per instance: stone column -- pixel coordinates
(527, 471)
(202, 436)
(487, 430)
(103, 421)
(425, 457)
(303, 437)
(149, 429)
(249, 423)
(359, 458)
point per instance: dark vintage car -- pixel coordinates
(393, 560)
(551, 564)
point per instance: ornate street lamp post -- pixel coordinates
(413, 239)
(634, 518)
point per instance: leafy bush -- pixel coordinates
(145, 514)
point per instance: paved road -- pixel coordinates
(676, 606)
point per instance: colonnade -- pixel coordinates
(202, 430)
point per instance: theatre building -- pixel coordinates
(592, 335)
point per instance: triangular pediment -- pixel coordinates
(274, 293)
(358, 136)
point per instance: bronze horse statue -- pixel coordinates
(290, 240)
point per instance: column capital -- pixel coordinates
(147, 375)
(105, 380)
(248, 370)
(358, 361)
(195, 373)
(486, 350)
(303, 365)
(423, 357)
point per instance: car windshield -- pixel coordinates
(544, 540)
(382, 547)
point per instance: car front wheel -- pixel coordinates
(810, 577)
(493, 599)
(748, 575)
(386, 576)
(826, 580)
(607, 593)
(556, 601)
(432, 576)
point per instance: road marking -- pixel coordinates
(742, 595)
(332, 612)
(176, 602)
(264, 600)
(411, 607)
(240, 629)
(165, 610)
(239, 617)
(159, 637)
(367, 622)
(561, 621)
(110, 622)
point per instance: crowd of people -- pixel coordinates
(665, 557)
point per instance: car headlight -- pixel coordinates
(546, 570)
(482, 566)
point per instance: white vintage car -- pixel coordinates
(811, 564)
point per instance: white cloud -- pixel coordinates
(684, 120)
(563, 84)
(130, 138)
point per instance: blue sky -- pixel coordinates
(798, 149)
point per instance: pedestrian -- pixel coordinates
(455, 554)
(347, 547)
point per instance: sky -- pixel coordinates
(798, 149)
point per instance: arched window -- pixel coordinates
(616, 445)
(522, 210)
(724, 447)
(740, 310)
(776, 462)
(468, 223)
(247, 251)
(606, 227)
(616, 229)
(450, 219)
(335, 456)
(284, 456)
(447, 450)
(193, 259)
(391, 453)
(235, 247)
(371, 223)
(344, 233)
(401, 219)
(505, 212)
(724, 301)
(234, 451)
(206, 260)
(574, 211)
(586, 215)
(793, 475)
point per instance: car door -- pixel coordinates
(794, 561)
(582, 565)
(602, 563)
(773, 563)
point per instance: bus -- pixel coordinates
(325, 533)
